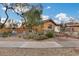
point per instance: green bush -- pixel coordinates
(6, 34)
(19, 36)
(29, 36)
(35, 36)
(40, 37)
(24, 37)
(50, 34)
(40, 33)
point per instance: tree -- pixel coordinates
(33, 17)
(0, 21)
(6, 9)
(18, 8)
(12, 24)
(30, 13)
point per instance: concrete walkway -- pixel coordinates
(39, 44)
(74, 43)
(23, 44)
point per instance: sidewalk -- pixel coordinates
(37, 44)
(23, 44)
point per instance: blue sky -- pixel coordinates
(55, 11)
(72, 9)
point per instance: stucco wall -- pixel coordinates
(73, 29)
(46, 24)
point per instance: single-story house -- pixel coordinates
(51, 25)
(46, 25)
(72, 27)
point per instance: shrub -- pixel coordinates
(6, 34)
(50, 34)
(40, 37)
(35, 36)
(29, 35)
(19, 36)
(24, 37)
(40, 33)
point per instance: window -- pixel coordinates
(50, 27)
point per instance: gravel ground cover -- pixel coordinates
(39, 52)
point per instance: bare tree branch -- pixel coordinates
(6, 16)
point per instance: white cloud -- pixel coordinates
(2, 20)
(62, 17)
(56, 21)
(3, 8)
(48, 7)
(44, 17)
(24, 9)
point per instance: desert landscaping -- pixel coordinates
(25, 30)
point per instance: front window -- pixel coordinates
(50, 27)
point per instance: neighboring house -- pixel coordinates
(72, 27)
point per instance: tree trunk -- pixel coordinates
(6, 18)
(30, 29)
